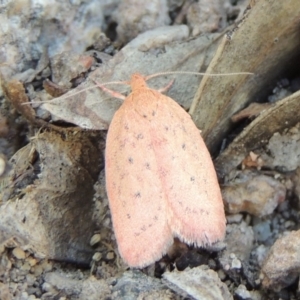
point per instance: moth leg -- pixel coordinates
(111, 92)
(167, 87)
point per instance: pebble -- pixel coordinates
(262, 231)
(96, 238)
(212, 264)
(2, 158)
(30, 279)
(221, 274)
(239, 239)
(32, 261)
(110, 255)
(236, 264)
(286, 214)
(135, 16)
(198, 283)
(242, 292)
(47, 287)
(282, 265)
(289, 224)
(18, 253)
(23, 296)
(2, 249)
(46, 265)
(34, 291)
(256, 194)
(261, 253)
(236, 218)
(37, 270)
(25, 267)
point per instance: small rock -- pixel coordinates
(206, 16)
(24, 296)
(135, 16)
(2, 249)
(239, 239)
(30, 279)
(199, 283)
(46, 265)
(262, 231)
(282, 266)
(48, 287)
(25, 267)
(110, 255)
(236, 264)
(243, 294)
(18, 253)
(4, 292)
(37, 270)
(285, 149)
(260, 253)
(91, 288)
(61, 282)
(2, 165)
(32, 261)
(236, 218)
(256, 194)
(221, 274)
(289, 224)
(134, 283)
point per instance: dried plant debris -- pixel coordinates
(273, 121)
(252, 111)
(15, 92)
(244, 50)
(53, 89)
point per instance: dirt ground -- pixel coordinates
(56, 234)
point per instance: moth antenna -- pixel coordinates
(196, 73)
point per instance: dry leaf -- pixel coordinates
(252, 111)
(162, 49)
(284, 114)
(267, 55)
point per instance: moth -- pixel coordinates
(160, 179)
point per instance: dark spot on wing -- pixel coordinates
(130, 159)
(137, 195)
